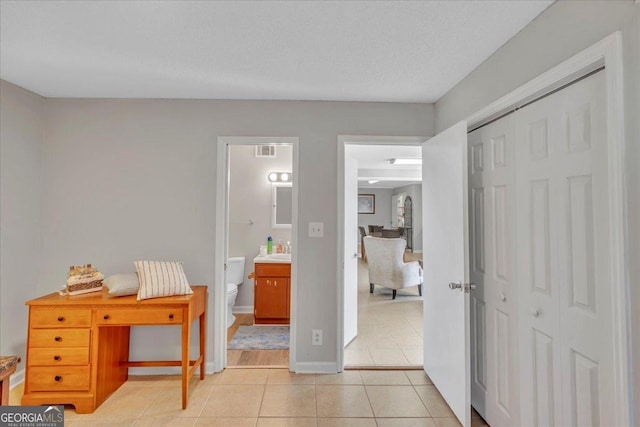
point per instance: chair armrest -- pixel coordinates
(411, 274)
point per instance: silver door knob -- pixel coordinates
(503, 297)
(355, 255)
(535, 312)
(464, 287)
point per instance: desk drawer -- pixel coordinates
(64, 356)
(273, 270)
(56, 338)
(151, 316)
(60, 318)
(56, 378)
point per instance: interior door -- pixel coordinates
(492, 221)
(446, 252)
(351, 240)
(565, 303)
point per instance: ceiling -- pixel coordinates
(373, 164)
(388, 51)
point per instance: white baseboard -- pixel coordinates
(316, 368)
(243, 309)
(210, 368)
(16, 379)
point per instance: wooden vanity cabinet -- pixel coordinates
(272, 293)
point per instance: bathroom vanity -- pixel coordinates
(271, 302)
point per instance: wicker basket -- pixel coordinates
(81, 288)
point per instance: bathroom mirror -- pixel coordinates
(282, 202)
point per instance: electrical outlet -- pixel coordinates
(316, 337)
(316, 229)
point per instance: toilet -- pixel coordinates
(235, 273)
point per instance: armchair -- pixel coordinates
(386, 265)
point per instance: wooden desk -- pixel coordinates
(78, 346)
(7, 368)
(387, 233)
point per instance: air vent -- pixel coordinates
(265, 150)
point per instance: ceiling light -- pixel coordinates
(373, 181)
(406, 161)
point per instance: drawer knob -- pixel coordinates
(56, 357)
(171, 316)
(58, 338)
(60, 319)
(58, 378)
(106, 317)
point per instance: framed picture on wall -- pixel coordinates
(366, 203)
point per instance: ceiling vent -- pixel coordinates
(265, 150)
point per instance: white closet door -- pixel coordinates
(563, 259)
(494, 339)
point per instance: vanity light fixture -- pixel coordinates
(406, 161)
(280, 176)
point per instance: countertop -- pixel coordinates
(272, 259)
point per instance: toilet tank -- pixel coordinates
(235, 270)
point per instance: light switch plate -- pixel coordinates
(316, 229)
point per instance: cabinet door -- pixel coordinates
(272, 298)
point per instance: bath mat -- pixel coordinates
(260, 338)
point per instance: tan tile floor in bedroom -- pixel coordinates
(389, 331)
(275, 398)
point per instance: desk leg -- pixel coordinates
(4, 393)
(186, 333)
(203, 335)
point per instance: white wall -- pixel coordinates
(415, 192)
(21, 125)
(132, 179)
(564, 29)
(250, 197)
(382, 215)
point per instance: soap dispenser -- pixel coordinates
(279, 248)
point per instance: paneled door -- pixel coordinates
(446, 249)
(566, 331)
(494, 332)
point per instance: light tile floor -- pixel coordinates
(275, 397)
(389, 331)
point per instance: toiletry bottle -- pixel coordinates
(279, 247)
(288, 248)
(269, 245)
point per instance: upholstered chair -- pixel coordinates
(386, 265)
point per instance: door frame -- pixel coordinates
(219, 303)
(607, 53)
(343, 141)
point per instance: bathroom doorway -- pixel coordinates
(255, 294)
